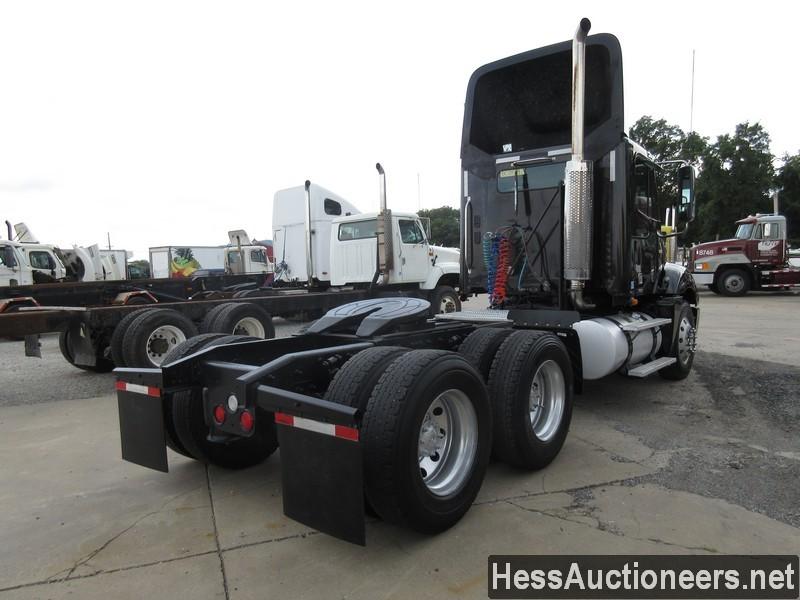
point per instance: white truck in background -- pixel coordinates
(321, 239)
(240, 257)
(25, 261)
(92, 263)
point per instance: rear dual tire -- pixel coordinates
(425, 433)
(239, 318)
(531, 387)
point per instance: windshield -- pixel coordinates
(743, 231)
(532, 178)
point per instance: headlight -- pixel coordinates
(700, 266)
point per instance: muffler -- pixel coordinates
(578, 214)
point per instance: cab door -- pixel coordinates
(766, 246)
(412, 252)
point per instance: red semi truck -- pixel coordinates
(756, 258)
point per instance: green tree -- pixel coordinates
(736, 179)
(661, 139)
(788, 183)
(444, 225)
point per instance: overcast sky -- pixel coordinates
(173, 122)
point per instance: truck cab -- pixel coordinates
(26, 264)
(353, 252)
(244, 257)
(756, 257)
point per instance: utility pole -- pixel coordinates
(691, 102)
(108, 234)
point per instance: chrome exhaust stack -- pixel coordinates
(384, 229)
(578, 213)
(309, 258)
(382, 184)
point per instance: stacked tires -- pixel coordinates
(432, 418)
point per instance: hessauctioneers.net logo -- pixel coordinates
(627, 576)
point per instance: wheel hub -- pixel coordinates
(447, 443)
(447, 305)
(161, 341)
(546, 400)
(687, 340)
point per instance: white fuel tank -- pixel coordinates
(605, 346)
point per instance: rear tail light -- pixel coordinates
(246, 421)
(219, 414)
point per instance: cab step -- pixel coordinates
(648, 368)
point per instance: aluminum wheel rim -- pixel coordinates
(546, 400)
(734, 283)
(447, 305)
(162, 340)
(250, 326)
(447, 443)
(686, 340)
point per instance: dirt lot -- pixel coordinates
(709, 464)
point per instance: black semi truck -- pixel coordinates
(379, 404)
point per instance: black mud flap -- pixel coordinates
(141, 423)
(322, 477)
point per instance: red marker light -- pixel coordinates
(246, 421)
(219, 414)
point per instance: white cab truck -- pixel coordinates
(24, 261)
(322, 239)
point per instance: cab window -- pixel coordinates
(258, 256)
(769, 231)
(7, 257)
(41, 260)
(644, 199)
(332, 207)
(358, 230)
(410, 232)
(233, 257)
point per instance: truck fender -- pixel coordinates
(679, 282)
(450, 272)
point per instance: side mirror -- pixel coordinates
(686, 203)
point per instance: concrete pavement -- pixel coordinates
(78, 522)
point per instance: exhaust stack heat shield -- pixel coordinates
(578, 220)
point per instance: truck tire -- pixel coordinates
(103, 365)
(733, 282)
(426, 436)
(118, 335)
(191, 430)
(243, 318)
(153, 334)
(353, 383)
(445, 300)
(531, 388)
(481, 346)
(682, 349)
(208, 320)
(180, 351)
